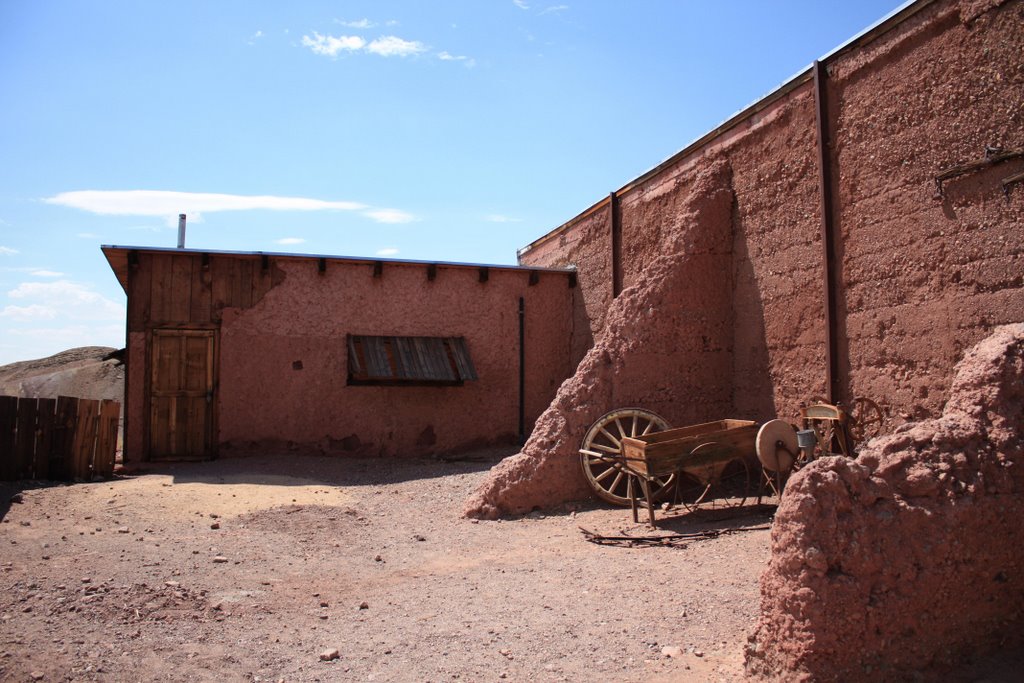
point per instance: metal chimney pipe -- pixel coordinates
(181, 231)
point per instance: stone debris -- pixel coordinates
(330, 655)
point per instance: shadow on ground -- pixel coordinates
(306, 470)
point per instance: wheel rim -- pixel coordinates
(603, 444)
(716, 486)
(865, 420)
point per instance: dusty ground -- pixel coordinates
(127, 580)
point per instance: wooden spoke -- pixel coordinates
(601, 450)
(613, 439)
(865, 420)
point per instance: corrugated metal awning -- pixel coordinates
(408, 360)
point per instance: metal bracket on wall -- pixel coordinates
(993, 156)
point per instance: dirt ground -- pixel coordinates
(129, 580)
(252, 569)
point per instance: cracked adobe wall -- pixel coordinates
(671, 331)
(919, 279)
(908, 557)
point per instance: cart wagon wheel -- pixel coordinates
(603, 445)
(715, 486)
(865, 419)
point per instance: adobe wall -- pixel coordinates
(918, 278)
(668, 333)
(925, 278)
(307, 320)
(281, 351)
(902, 561)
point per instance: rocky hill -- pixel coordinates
(95, 372)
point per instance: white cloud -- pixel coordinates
(332, 45)
(47, 273)
(393, 46)
(553, 9)
(498, 218)
(290, 240)
(387, 251)
(64, 299)
(390, 216)
(33, 312)
(254, 37)
(521, 4)
(88, 235)
(7, 251)
(361, 23)
(448, 57)
(168, 203)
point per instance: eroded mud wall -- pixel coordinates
(283, 362)
(918, 277)
(907, 558)
(925, 277)
(670, 332)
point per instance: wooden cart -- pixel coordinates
(706, 465)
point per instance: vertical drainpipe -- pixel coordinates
(522, 371)
(828, 236)
(615, 212)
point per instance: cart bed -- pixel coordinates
(662, 453)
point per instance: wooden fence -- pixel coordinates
(62, 438)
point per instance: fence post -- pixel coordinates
(106, 439)
(8, 420)
(85, 439)
(47, 421)
(25, 439)
(62, 464)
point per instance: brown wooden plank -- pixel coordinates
(439, 358)
(180, 298)
(160, 426)
(221, 283)
(422, 358)
(25, 438)
(194, 368)
(145, 289)
(85, 438)
(62, 448)
(463, 361)
(46, 418)
(8, 423)
(665, 452)
(403, 356)
(243, 294)
(192, 426)
(202, 292)
(139, 282)
(161, 288)
(106, 439)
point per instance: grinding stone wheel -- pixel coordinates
(774, 457)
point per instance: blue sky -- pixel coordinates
(445, 130)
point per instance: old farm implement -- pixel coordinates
(626, 456)
(631, 457)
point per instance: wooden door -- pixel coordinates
(181, 422)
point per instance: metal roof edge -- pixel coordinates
(332, 257)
